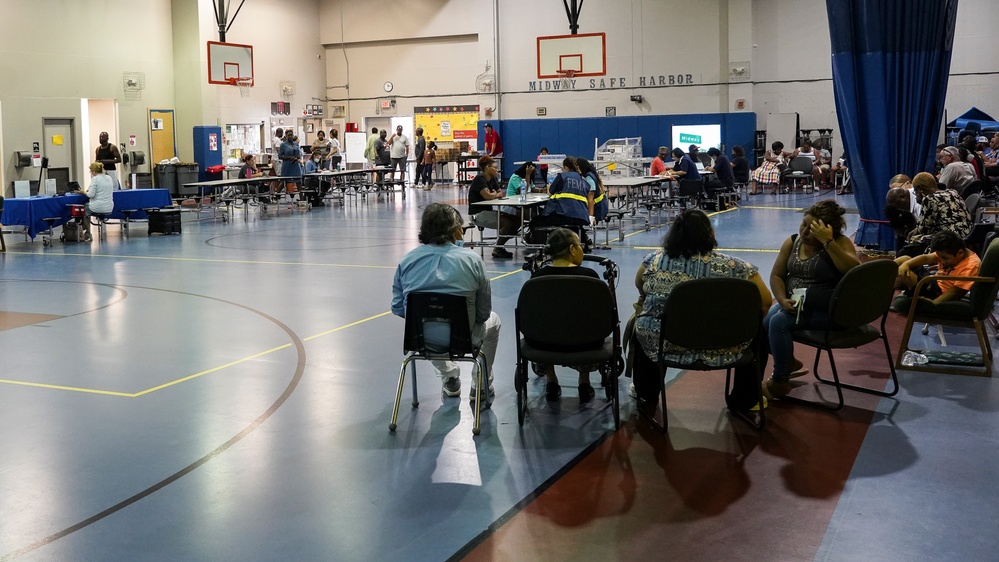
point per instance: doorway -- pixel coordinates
(58, 148)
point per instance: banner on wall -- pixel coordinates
(448, 123)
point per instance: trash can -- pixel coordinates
(166, 177)
(141, 180)
(187, 173)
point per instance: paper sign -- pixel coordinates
(213, 142)
(131, 140)
(57, 140)
(50, 186)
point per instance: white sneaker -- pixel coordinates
(452, 387)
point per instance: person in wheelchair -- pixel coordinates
(570, 203)
(687, 253)
(566, 254)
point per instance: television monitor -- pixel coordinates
(704, 136)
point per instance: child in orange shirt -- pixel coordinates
(952, 257)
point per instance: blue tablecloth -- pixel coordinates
(30, 212)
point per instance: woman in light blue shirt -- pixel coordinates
(100, 195)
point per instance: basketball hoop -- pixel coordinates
(565, 78)
(244, 85)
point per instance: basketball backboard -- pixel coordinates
(228, 62)
(584, 54)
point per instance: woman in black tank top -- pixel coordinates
(814, 261)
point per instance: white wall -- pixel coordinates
(435, 57)
(51, 57)
(432, 50)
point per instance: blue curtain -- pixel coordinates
(890, 63)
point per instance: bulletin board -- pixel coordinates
(448, 123)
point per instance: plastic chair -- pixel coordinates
(971, 312)
(710, 315)
(862, 296)
(569, 320)
(444, 313)
(800, 169)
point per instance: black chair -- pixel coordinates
(691, 192)
(800, 170)
(973, 188)
(970, 312)
(861, 297)
(444, 313)
(709, 316)
(568, 320)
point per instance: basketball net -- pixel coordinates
(244, 85)
(565, 77)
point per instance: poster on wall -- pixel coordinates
(448, 123)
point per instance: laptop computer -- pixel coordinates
(70, 187)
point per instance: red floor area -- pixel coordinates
(713, 489)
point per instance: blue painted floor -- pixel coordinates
(225, 394)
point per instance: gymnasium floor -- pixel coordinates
(225, 394)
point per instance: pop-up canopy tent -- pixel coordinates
(978, 120)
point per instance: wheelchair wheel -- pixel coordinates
(520, 381)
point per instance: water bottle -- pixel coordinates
(523, 193)
(911, 358)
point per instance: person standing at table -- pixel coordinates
(100, 196)
(335, 156)
(277, 140)
(291, 161)
(494, 146)
(370, 150)
(325, 148)
(108, 156)
(418, 152)
(429, 160)
(399, 150)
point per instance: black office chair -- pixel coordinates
(445, 313)
(710, 316)
(860, 298)
(569, 320)
(971, 312)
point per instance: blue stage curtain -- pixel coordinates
(890, 63)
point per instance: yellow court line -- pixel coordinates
(773, 208)
(70, 388)
(351, 325)
(212, 370)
